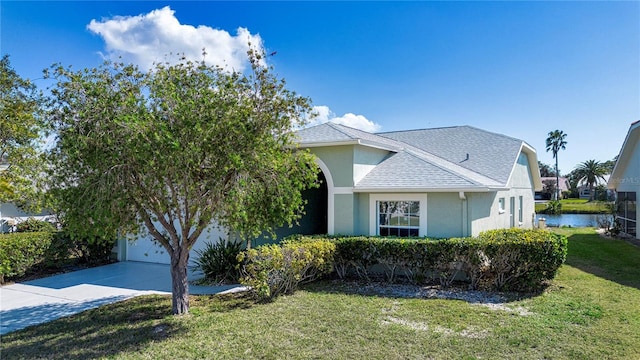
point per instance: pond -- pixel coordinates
(572, 220)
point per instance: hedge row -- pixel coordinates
(20, 252)
(510, 259)
(25, 252)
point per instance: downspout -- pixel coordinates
(464, 227)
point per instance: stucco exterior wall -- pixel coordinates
(521, 184)
(484, 208)
(362, 216)
(483, 212)
(339, 160)
(344, 214)
(446, 218)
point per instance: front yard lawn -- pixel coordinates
(590, 311)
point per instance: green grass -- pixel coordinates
(590, 311)
(577, 206)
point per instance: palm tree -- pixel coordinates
(589, 172)
(555, 143)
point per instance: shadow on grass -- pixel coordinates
(611, 259)
(224, 302)
(101, 332)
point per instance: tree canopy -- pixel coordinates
(589, 172)
(165, 153)
(545, 170)
(21, 134)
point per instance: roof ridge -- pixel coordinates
(337, 128)
(412, 130)
(376, 138)
(452, 127)
(459, 170)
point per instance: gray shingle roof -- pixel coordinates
(409, 171)
(490, 154)
(428, 158)
(333, 133)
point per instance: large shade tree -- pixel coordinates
(556, 142)
(21, 134)
(589, 172)
(168, 151)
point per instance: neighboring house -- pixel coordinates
(625, 180)
(440, 183)
(583, 188)
(564, 186)
(11, 215)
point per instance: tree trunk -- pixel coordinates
(557, 180)
(179, 282)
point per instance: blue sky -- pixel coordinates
(517, 68)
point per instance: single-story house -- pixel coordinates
(563, 186)
(11, 215)
(443, 182)
(625, 180)
(584, 192)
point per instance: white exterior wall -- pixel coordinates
(447, 215)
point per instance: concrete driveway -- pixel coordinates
(42, 300)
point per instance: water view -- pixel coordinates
(573, 220)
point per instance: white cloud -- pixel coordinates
(148, 38)
(324, 114)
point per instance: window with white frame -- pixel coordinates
(501, 207)
(398, 218)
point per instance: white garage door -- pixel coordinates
(146, 250)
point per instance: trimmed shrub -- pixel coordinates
(219, 261)
(523, 259)
(21, 252)
(271, 270)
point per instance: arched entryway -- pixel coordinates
(314, 221)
